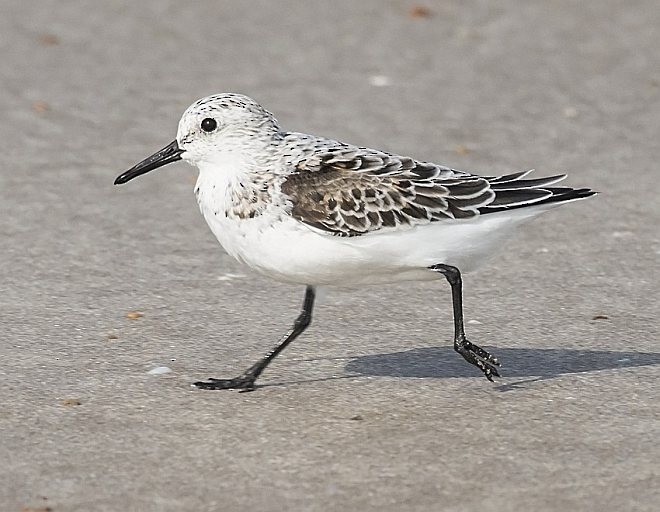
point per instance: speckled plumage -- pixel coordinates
(256, 180)
(312, 210)
(315, 211)
(347, 190)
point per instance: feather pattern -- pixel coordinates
(349, 191)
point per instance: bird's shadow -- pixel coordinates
(520, 366)
(517, 363)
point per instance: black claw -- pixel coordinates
(489, 371)
(242, 383)
(480, 353)
(479, 357)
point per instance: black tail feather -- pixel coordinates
(509, 196)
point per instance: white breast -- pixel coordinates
(272, 242)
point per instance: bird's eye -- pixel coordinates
(209, 124)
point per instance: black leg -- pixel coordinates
(472, 353)
(245, 381)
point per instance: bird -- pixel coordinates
(313, 211)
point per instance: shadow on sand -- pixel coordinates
(443, 362)
(527, 365)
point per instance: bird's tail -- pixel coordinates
(512, 192)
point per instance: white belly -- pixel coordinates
(278, 246)
(287, 250)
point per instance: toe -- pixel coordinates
(243, 384)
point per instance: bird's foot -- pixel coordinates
(243, 383)
(477, 356)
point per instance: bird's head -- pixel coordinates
(215, 125)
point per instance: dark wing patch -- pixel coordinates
(352, 192)
(349, 191)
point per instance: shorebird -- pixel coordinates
(314, 211)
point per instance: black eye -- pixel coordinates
(209, 124)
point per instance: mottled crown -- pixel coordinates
(233, 106)
(224, 123)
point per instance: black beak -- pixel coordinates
(170, 153)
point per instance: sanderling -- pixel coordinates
(314, 211)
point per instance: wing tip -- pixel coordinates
(558, 195)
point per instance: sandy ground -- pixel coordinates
(371, 409)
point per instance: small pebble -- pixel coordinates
(40, 106)
(229, 277)
(419, 11)
(160, 370)
(48, 39)
(379, 81)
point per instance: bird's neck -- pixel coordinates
(230, 186)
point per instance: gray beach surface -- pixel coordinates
(115, 299)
